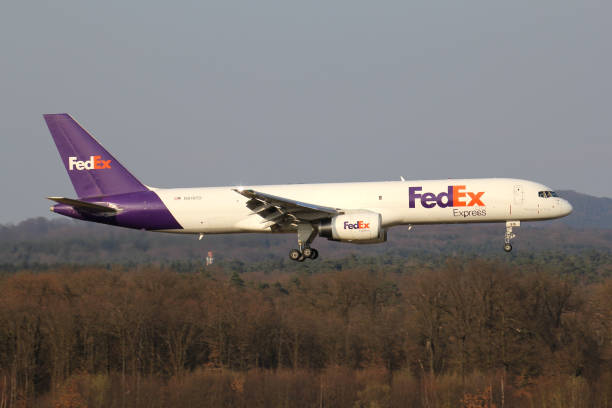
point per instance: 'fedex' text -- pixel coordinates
(94, 163)
(357, 225)
(455, 196)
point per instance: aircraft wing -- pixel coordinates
(85, 206)
(283, 212)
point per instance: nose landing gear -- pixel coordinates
(509, 234)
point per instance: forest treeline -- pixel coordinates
(464, 333)
(39, 243)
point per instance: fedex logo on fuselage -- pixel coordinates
(94, 163)
(357, 225)
(455, 196)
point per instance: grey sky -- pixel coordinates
(224, 93)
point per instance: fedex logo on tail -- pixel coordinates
(357, 225)
(94, 163)
(455, 196)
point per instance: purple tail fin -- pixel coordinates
(92, 170)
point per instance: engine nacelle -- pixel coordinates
(360, 227)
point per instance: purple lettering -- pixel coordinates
(449, 198)
(413, 195)
(428, 200)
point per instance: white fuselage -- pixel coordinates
(216, 210)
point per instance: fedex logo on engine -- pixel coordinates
(455, 196)
(94, 163)
(357, 225)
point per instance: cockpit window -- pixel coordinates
(547, 194)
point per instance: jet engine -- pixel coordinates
(359, 227)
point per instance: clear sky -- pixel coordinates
(209, 93)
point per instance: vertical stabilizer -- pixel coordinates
(92, 170)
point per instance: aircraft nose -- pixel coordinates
(566, 208)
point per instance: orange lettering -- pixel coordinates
(457, 195)
(476, 199)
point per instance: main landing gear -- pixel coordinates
(509, 234)
(300, 256)
(306, 234)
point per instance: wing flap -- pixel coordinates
(286, 202)
(282, 210)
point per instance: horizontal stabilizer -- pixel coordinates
(85, 206)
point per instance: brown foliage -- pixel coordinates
(425, 338)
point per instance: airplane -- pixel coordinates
(359, 213)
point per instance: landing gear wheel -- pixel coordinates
(311, 253)
(307, 252)
(295, 255)
(302, 258)
(507, 247)
(315, 254)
